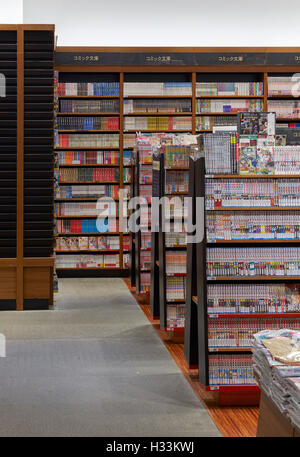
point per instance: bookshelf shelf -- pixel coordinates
(90, 234)
(93, 165)
(231, 388)
(253, 176)
(170, 113)
(252, 315)
(256, 208)
(89, 114)
(89, 131)
(90, 268)
(84, 251)
(229, 349)
(282, 97)
(85, 148)
(229, 96)
(88, 96)
(220, 113)
(261, 241)
(88, 182)
(158, 131)
(253, 278)
(156, 96)
(83, 216)
(287, 119)
(83, 199)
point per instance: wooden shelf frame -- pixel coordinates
(25, 279)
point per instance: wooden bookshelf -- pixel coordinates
(95, 77)
(26, 237)
(200, 320)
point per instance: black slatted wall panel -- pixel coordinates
(38, 143)
(8, 142)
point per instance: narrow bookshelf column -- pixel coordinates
(173, 242)
(26, 262)
(8, 159)
(38, 166)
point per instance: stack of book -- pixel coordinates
(89, 106)
(222, 89)
(157, 89)
(78, 140)
(88, 88)
(88, 123)
(276, 365)
(253, 298)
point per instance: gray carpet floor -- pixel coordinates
(93, 366)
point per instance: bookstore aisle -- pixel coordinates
(93, 366)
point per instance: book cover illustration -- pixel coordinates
(248, 124)
(247, 154)
(265, 164)
(93, 245)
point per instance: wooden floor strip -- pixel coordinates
(234, 421)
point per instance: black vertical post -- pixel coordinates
(191, 318)
(162, 253)
(137, 234)
(201, 272)
(132, 235)
(156, 193)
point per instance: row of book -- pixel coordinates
(176, 156)
(157, 106)
(85, 243)
(88, 261)
(158, 123)
(86, 225)
(145, 174)
(249, 156)
(229, 106)
(145, 260)
(220, 153)
(89, 174)
(78, 140)
(88, 88)
(238, 333)
(253, 298)
(89, 106)
(209, 122)
(145, 282)
(232, 370)
(247, 262)
(88, 191)
(222, 89)
(285, 108)
(251, 225)
(175, 288)
(161, 88)
(276, 366)
(145, 241)
(176, 181)
(268, 193)
(283, 85)
(175, 262)
(129, 140)
(175, 239)
(175, 316)
(88, 123)
(86, 209)
(92, 157)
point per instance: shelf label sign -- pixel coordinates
(159, 58)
